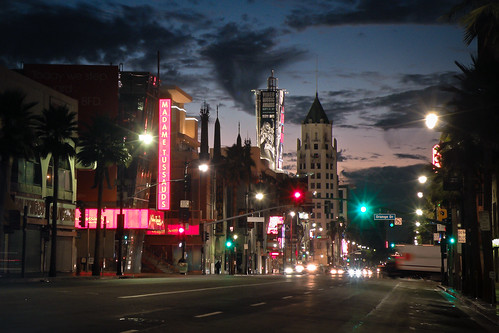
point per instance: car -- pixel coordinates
(337, 271)
(296, 269)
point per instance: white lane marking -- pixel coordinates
(194, 290)
(258, 304)
(383, 300)
(307, 292)
(129, 331)
(286, 297)
(208, 314)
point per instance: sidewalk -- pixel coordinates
(491, 312)
(38, 277)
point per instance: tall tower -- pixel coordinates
(204, 154)
(317, 158)
(269, 106)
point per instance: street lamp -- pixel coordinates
(120, 228)
(431, 120)
(185, 204)
(422, 179)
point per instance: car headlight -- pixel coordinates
(288, 270)
(340, 271)
(299, 268)
(334, 271)
(311, 267)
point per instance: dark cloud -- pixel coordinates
(401, 107)
(340, 156)
(85, 33)
(356, 12)
(412, 157)
(388, 187)
(243, 58)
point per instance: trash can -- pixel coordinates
(182, 267)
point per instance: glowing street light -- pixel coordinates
(431, 120)
(422, 179)
(419, 212)
(146, 138)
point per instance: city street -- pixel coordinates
(222, 303)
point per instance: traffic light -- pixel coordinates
(187, 182)
(82, 217)
(228, 244)
(452, 240)
(392, 245)
(298, 196)
(363, 209)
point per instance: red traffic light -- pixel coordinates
(297, 195)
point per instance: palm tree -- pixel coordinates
(480, 19)
(102, 143)
(16, 140)
(471, 148)
(56, 131)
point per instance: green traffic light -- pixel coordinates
(452, 240)
(392, 245)
(363, 209)
(228, 243)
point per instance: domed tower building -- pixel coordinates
(317, 160)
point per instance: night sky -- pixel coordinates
(377, 65)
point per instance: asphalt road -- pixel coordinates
(234, 304)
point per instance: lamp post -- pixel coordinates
(120, 228)
(185, 204)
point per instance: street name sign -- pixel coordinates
(255, 219)
(384, 216)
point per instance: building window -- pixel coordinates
(312, 185)
(319, 215)
(312, 165)
(318, 185)
(316, 146)
(318, 175)
(318, 165)
(327, 186)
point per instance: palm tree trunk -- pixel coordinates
(53, 247)
(97, 249)
(5, 173)
(473, 266)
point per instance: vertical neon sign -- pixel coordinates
(164, 176)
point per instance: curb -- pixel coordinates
(486, 310)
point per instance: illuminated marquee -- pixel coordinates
(436, 156)
(164, 176)
(274, 222)
(134, 219)
(173, 229)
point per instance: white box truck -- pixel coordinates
(422, 261)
